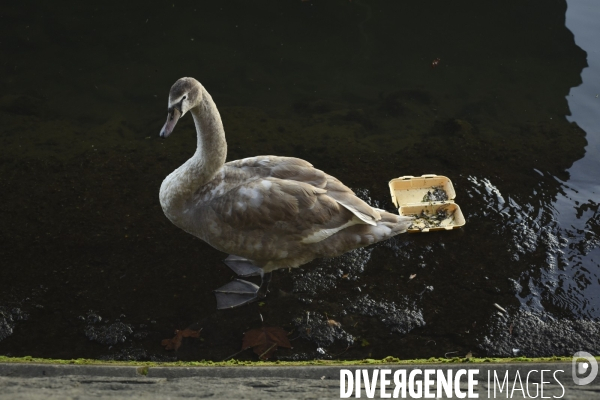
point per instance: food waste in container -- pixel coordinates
(430, 199)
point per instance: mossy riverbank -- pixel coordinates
(237, 363)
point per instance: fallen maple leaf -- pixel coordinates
(175, 343)
(264, 341)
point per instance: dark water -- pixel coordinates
(90, 266)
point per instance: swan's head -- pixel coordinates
(185, 94)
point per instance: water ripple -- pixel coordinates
(559, 271)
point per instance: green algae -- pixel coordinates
(145, 365)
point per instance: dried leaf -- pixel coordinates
(469, 356)
(332, 323)
(191, 333)
(171, 344)
(264, 341)
(412, 276)
(175, 343)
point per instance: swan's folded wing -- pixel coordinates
(278, 205)
(290, 168)
(299, 170)
(278, 192)
(346, 197)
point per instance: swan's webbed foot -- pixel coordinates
(236, 293)
(242, 266)
(239, 292)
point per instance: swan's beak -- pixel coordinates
(172, 119)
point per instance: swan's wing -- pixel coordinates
(346, 197)
(296, 170)
(277, 205)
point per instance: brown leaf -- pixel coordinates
(175, 343)
(172, 344)
(332, 322)
(264, 341)
(412, 276)
(187, 332)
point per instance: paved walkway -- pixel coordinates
(49, 381)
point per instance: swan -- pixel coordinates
(266, 212)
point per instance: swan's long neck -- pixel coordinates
(209, 157)
(211, 150)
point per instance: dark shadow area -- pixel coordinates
(92, 268)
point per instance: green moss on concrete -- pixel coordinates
(144, 365)
(143, 370)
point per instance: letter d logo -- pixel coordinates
(581, 368)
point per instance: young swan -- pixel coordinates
(268, 212)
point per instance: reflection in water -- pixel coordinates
(577, 286)
(348, 86)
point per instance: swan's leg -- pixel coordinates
(236, 293)
(242, 266)
(264, 285)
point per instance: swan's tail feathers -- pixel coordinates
(388, 226)
(397, 223)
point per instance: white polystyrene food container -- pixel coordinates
(408, 193)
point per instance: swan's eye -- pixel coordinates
(184, 97)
